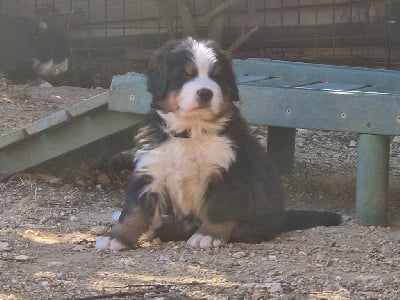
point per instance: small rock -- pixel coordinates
(4, 246)
(78, 248)
(23, 258)
(272, 257)
(352, 143)
(104, 180)
(73, 218)
(259, 294)
(239, 254)
(250, 285)
(44, 283)
(55, 181)
(276, 287)
(320, 257)
(98, 230)
(80, 182)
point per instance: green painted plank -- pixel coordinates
(299, 108)
(394, 90)
(128, 93)
(384, 80)
(283, 82)
(47, 122)
(12, 137)
(88, 105)
(246, 78)
(60, 140)
(334, 87)
(54, 119)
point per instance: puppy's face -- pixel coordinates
(192, 79)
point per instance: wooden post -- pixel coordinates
(372, 179)
(281, 147)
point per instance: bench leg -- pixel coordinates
(372, 179)
(281, 147)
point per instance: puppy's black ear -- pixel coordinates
(228, 79)
(157, 72)
(229, 75)
(157, 75)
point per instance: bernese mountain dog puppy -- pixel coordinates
(199, 173)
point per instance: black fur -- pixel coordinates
(249, 194)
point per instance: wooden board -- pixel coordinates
(87, 122)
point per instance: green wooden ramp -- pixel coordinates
(77, 127)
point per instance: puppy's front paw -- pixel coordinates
(106, 242)
(204, 241)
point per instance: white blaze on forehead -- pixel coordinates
(204, 57)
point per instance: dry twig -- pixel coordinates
(154, 288)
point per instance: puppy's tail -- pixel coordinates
(303, 219)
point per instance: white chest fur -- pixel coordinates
(182, 167)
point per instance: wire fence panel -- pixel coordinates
(115, 36)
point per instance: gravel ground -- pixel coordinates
(48, 225)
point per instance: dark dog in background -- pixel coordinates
(31, 50)
(199, 172)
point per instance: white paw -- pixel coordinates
(45, 84)
(115, 216)
(105, 243)
(203, 241)
(345, 218)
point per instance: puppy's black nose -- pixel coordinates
(205, 95)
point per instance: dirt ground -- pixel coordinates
(48, 225)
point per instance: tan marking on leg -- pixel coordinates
(132, 227)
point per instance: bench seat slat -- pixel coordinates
(335, 87)
(323, 110)
(378, 80)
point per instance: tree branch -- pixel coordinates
(242, 38)
(244, 33)
(163, 11)
(217, 10)
(189, 27)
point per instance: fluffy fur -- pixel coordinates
(200, 175)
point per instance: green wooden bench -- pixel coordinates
(290, 95)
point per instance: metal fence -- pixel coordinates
(115, 36)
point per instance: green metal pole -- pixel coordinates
(372, 179)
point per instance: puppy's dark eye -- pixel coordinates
(190, 70)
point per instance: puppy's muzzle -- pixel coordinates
(204, 97)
